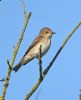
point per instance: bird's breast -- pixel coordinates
(45, 45)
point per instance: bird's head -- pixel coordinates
(47, 32)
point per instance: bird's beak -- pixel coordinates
(53, 33)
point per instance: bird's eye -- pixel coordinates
(46, 31)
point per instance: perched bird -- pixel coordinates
(43, 40)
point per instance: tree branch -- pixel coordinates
(10, 65)
(40, 63)
(59, 50)
(51, 63)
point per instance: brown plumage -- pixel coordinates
(33, 51)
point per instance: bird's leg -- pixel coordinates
(40, 63)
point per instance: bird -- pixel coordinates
(43, 40)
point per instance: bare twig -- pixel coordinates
(10, 65)
(24, 8)
(40, 63)
(51, 63)
(33, 89)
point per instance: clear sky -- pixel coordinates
(63, 81)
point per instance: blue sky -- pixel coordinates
(64, 79)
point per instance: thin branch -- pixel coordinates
(33, 90)
(10, 65)
(24, 8)
(40, 63)
(51, 63)
(60, 49)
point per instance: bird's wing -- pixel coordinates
(37, 39)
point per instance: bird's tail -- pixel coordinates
(17, 67)
(22, 62)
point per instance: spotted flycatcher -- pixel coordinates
(43, 40)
